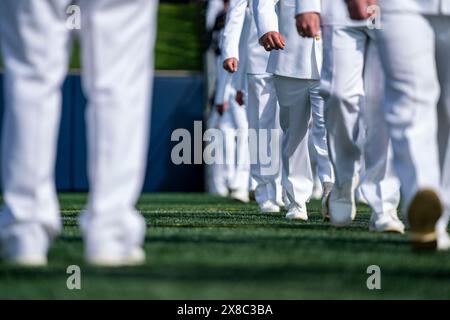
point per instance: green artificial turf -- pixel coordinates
(179, 42)
(203, 247)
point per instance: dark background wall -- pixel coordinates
(177, 103)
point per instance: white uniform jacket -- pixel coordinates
(257, 57)
(302, 57)
(432, 7)
(333, 12)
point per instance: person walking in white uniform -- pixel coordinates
(117, 38)
(262, 104)
(414, 45)
(229, 103)
(296, 65)
(350, 67)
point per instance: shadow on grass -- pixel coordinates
(232, 274)
(321, 243)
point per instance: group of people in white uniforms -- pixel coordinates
(296, 74)
(117, 38)
(411, 43)
(414, 44)
(351, 84)
(358, 59)
(263, 112)
(229, 176)
(243, 57)
(285, 68)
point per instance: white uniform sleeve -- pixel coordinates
(265, 16)
(240, 76)
(212, 10)
(223, 81)
(304, 6)
(233, 29)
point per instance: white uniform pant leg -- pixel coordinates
(407, 50)
(227, 126)
(35, 43)
(117, 41)
(263, 115)
(343, 90)
(319, 135)
(380, 185)
(242, 173)
(215, 172)
(442, 29)
(295, 113)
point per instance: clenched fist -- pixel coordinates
(240, 97)
(308, 24)
(272, 41)
(221, 108)
(230, 64)
(358, 8)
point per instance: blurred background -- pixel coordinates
(178, 100)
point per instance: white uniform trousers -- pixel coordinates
(263, 114)
(228, 129)
(295, 99)
(442, 27)
(117, 38)
(325, 169)
(239, 138)
(346, 55)
(407, 49)
(216, 173)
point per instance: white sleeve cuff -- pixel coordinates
(304, 6)
(267, 26)
(230, 53)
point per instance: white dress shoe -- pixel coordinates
(269, 206)
(443, 241)
(297, 212)
(133, 257)
(325, 210)
(386, 222)
(24, 244)
(114, 244)
(240, 195)
(31, 261)
(317, 189)
(443, 238)
(342, 206)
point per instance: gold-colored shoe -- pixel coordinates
(423, 213)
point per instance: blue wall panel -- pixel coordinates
(177, 103)
(80, 182)
(64, 161)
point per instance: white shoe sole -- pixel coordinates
(443, 245)
(338, 219)
(28, 262)
(240, 198)
(388, 229)
(270, 210)
(135, 258)
(296, 217)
